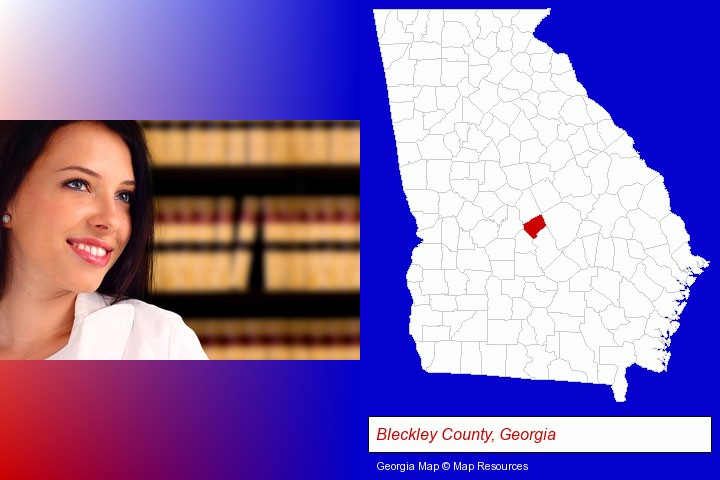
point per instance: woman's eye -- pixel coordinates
(80, 185)
(125, 197)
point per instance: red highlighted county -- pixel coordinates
(533, 227)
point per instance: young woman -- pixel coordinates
(75, 246)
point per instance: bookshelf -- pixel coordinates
(267, 215)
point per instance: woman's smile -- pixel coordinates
(92, 250)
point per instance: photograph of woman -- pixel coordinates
(75, 246)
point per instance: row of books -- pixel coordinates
(282, 219)
(279, 339)
(207, 244)
(191, 269)
(243, 143)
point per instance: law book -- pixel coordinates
(202, 223)
(155, 135)
(279, 338)
(206, 143)
(318, 143)
(224, 220)
(280, 138)
(258, 143)
(352, 134)
(345, 143)
(175, 152)
(237, 144)
(298, 149)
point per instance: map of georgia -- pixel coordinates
(549, 250)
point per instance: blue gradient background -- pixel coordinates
(653, 69)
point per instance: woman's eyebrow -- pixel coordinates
(92, 173)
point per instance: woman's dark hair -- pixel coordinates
(22, 142)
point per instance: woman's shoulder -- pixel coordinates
(157, 330)
(95, 302)
(152, 313)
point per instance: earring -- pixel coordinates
(6, 218)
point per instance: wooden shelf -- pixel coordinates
(259, 304)
(255, 180)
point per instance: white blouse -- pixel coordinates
(128, 330)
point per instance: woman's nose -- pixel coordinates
(106, 214)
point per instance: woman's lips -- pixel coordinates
(91, 253)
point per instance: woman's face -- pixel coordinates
(71, 215)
